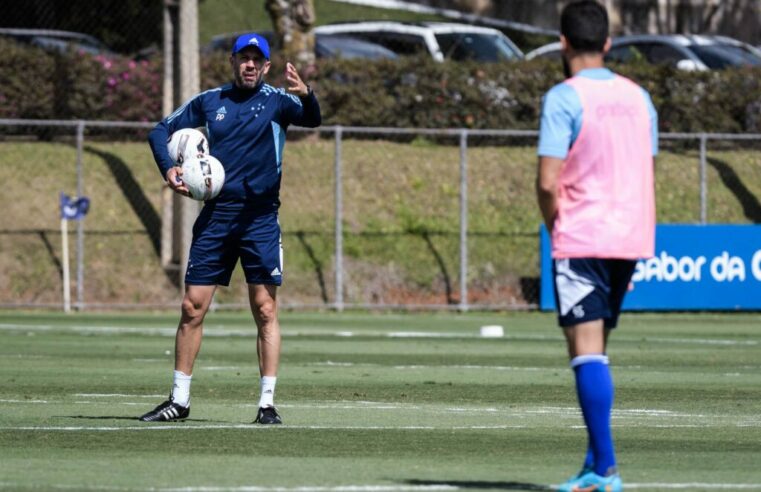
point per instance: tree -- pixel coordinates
(293, 21)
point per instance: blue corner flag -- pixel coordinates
(74, 209)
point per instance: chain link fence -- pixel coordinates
(371, 217)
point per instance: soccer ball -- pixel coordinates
(186, 143)
(203, 176)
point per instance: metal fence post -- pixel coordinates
(339, 234)
(463, 221)
(80, 223)
(703, 180)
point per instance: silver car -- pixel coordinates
(686, 52)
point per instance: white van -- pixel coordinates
(441, 40)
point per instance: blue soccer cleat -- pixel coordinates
(589, 481)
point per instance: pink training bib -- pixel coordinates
(606, 199)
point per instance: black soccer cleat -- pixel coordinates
(267, 415)
(169, 411)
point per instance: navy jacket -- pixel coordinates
(246, 132)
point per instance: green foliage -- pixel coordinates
(410, 92)
(80, 86)
(727, 101)
(23, 93)
(421, 93)
(113, 88)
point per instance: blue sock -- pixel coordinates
(594, 387)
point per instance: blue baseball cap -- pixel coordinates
(252, 39)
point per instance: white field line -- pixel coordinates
(655, 418)
(694, 485)
(572, 412)
(184, 426)
(428, 366)
(375, 488)
(252, 488)
(374, 405)
(116, 395)
(475, 367)
(618, 421)
(219, 331)
(472, 366)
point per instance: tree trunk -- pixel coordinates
(293, 21)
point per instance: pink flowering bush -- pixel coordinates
(409, 92)
(111, 88)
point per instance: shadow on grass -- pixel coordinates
(134, 194)
(301, 236)
(138, 201)
(135, 418)
(49, 248)
(442, 266)
(748, 201)
(480, 484)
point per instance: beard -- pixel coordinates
(246, 84)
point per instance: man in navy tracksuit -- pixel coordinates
(246, 123)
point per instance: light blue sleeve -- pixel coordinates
(560, 121)
(653, 121)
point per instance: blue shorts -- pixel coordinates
(588, 289)
(221, 236)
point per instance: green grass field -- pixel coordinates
(373, 403)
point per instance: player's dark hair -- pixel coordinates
(585, 25)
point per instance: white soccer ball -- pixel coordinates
(186, 143)
(203, 176)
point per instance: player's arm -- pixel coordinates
(547, 177)
(653, 115)
(189, 115)
(305, 112)
(561, 108)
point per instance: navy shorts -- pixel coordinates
(221, 236)
(588, 289)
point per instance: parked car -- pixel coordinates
(325, 46)
(550, 51)
(693, 52)
(57, 41)
(224, 42)
(686, 52)
(340, 46)
(440, 40)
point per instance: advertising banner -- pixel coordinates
(695, 267)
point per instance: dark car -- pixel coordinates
(685, 52)
(56, 41)
(337, 46)
(325, 46)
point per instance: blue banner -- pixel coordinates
(74, 209)
(709, 267)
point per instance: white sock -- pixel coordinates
(181, 388)
(267, 398)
